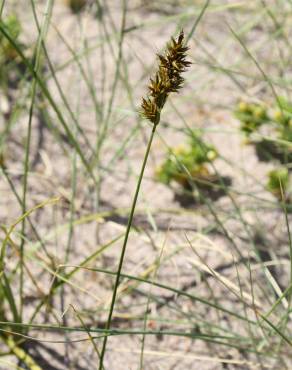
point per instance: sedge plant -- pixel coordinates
(168, 79)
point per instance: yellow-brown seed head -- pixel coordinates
(167, 79)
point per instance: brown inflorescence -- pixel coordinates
(167, 79)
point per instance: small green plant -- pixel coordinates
(12, 68)
(278, 118)
(13, 28)
(187, 163)
(284, 127)
(251, 116)
(275, 147)
(278, 183)
(283, 118)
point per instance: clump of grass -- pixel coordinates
(187, 163)
(167, 79)
(278, 118)
(278, 121)
(10, 63)
(13, 27)
(278, 183)
(251, 116)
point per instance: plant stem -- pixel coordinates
(130, 221)
(42, 34)
(21, 354)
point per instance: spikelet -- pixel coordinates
(167, 79)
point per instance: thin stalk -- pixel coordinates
(167, 80)
(157, 263)
(20, 354)
(130, 221)
(26, 164)
(2, 7)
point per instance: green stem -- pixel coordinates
(36, 68)
(22, 355)
(130, 221)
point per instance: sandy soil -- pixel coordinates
(164, 226)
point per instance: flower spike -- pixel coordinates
(167, 79)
